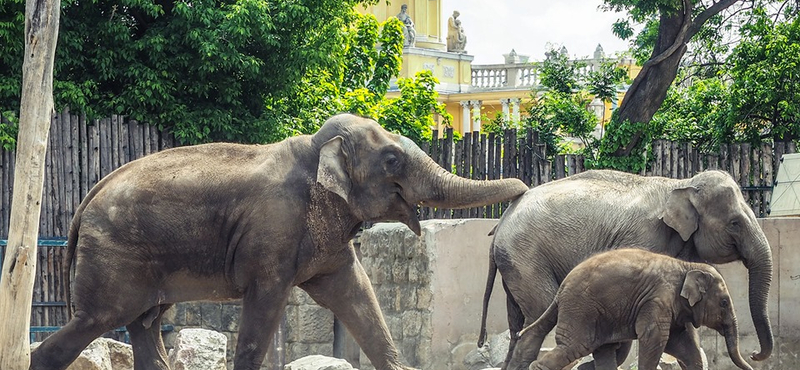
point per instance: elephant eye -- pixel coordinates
(724, 303)
(391, 163)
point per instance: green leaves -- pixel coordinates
(412, 114)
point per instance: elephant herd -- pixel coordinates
(250, 222)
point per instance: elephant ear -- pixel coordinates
(695, 286)
(679, 212)
(331, 172)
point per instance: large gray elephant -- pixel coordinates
(229, 221)
(553, 227)
(627, 294)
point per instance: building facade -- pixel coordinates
(475, 94)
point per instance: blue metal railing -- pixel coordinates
(59, 242)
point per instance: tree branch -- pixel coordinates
(680, 38)
(711, 11)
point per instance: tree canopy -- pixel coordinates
(752, 96)
(227, 70)
(669, 29)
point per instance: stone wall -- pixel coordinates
(308, 328)
(430, 288)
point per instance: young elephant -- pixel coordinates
(629, 294)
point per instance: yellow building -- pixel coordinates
(471, 93)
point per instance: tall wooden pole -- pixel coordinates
(36, 110)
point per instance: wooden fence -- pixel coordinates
(80, 152)
(491, 156)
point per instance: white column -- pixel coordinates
(515, 109)
(506, 114)
(476, 115)
(465, 120)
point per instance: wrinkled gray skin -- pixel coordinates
(229, 221)
(555, 226)
(630, 294)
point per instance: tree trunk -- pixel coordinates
(36, 110)
(649, 88)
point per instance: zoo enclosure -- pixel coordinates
(81, 152)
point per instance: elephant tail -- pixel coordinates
(545, 323)
(486, 295)
(72, 243)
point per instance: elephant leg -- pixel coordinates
(262, 310)
(100, 306)
(684, 345)
(527, 349)
(348, 293)
(560, 357)
(608, 356)
(516, 321)
(148, 346)
(59, 350)
(528, 296)
(653, 333)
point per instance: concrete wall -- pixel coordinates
(784, 302)
(449, 263)
(430, 288)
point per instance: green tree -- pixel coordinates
(697, 113)
(412, 114)
(669, 26)
(753, 95)
(206, 70)
(765, 93)
(558, 73)
(561, 108)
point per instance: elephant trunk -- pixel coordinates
(731, 333)
(758, 260)
(433, 186)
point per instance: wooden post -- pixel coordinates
(36, 110)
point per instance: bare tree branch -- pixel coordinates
(711, 11)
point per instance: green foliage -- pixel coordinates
(765, 94)
(697, 114)
(555, 114)
(751, 98)
(8, 130)
(562, 110)
(618, 135)
(412, 114)
(603, 82)
(12, 27)
(558, 73)
(205, 70)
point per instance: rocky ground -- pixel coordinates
(201, 349)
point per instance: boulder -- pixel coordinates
(491, 355)
(318, 362)
(198, 349)
(103, 354)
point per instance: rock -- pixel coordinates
(197, 349)
(102, 354)
(492, 354)
(318, 362)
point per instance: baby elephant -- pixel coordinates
(628, 294)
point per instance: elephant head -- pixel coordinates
(384, 176)
(711, 211)
(711, 306)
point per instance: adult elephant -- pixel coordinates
(230, 221)
(555, 226)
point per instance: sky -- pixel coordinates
(493, 28)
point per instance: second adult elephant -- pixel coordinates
(555, 226)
